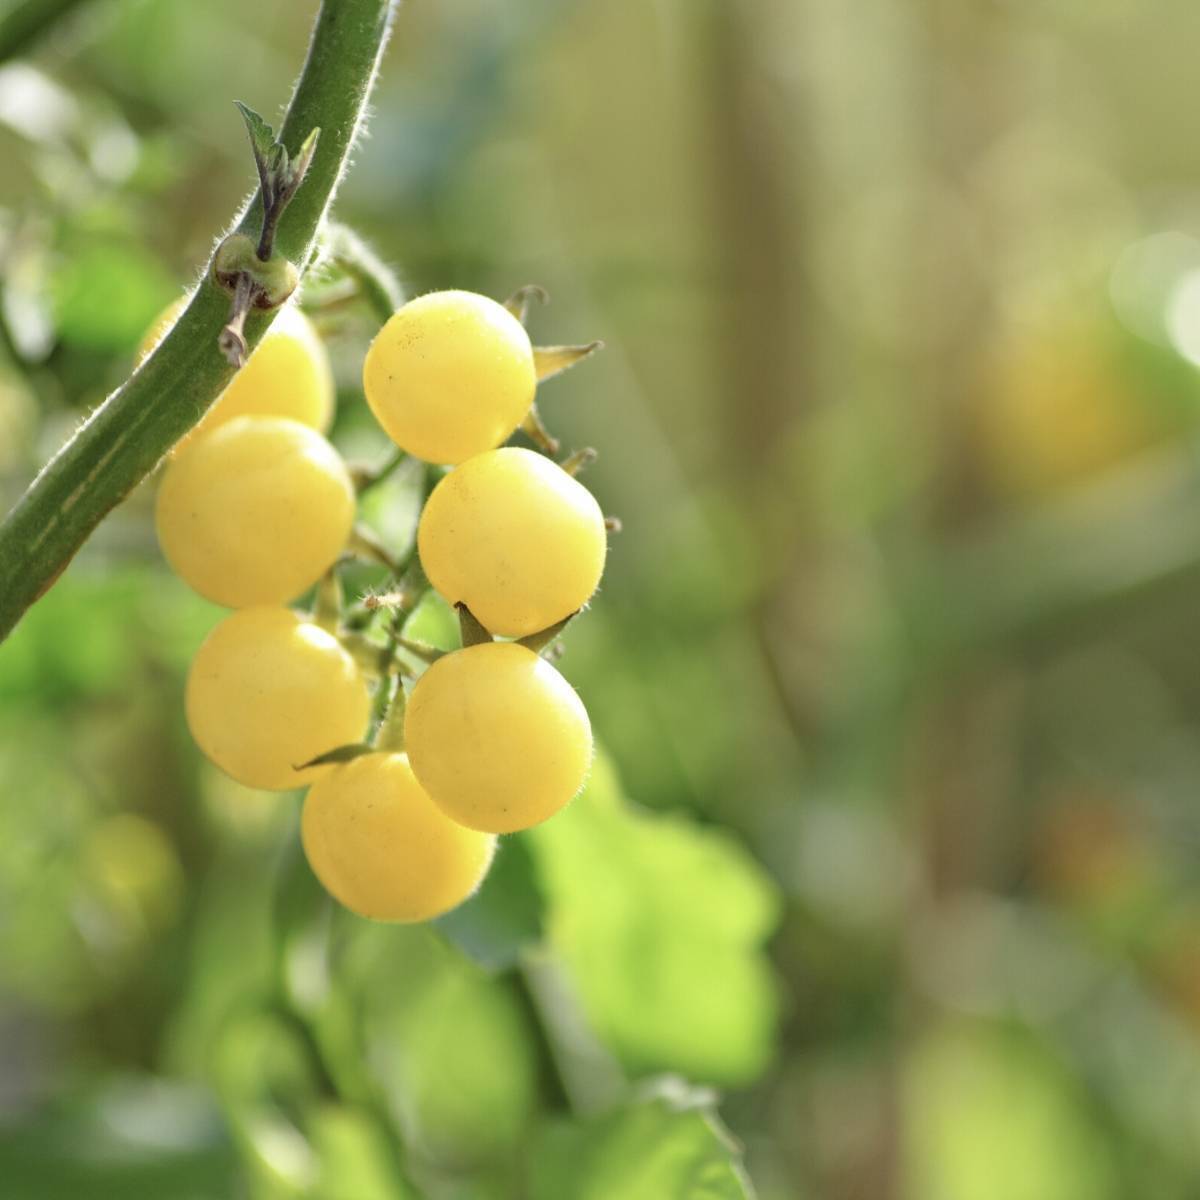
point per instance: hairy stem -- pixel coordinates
(123, 440)
(376, 282)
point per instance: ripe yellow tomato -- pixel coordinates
(269, 691)
(497, 737)
(255, 511)
(450, 375)
(515, 538)
(287, 375)
(380, 845)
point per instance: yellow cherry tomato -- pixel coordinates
(1056, 409)
(380, 845)
(497, 737)
(287, 375)
(269, 691)
(255, 512)
(450, 375)
(515, 538)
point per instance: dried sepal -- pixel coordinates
(518, 302)
(541, 641)
(342, 754)
(549, 361)
(473, 633)
(537, 432)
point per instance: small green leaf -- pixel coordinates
(669, 1145)
(304, 155)
(343, 754)
(262, 136)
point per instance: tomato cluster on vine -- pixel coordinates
(256, 506)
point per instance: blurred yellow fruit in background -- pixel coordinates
(1057, 408)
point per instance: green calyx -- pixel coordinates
(272, 282)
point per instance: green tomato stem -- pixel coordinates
(390, 736)
(374, 279)
(123, 439)
(327, 607)
(365, 544)
(369, 479)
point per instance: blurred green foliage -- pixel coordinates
(900, 412)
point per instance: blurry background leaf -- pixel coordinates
(507, 912)
(448, 1045)
(900, 411)
(132, 1137)
(661, 924)
(661, 1147)
(991, 1117)
(107, 295)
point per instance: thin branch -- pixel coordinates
(375, 280)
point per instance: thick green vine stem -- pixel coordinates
(123, 440)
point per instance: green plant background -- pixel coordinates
(893, 842)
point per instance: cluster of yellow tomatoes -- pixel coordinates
(256, 506)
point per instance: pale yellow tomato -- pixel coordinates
(255, 512)
(268, 692)
(497, 737)
(514, 537)
(287, 375)
(380, 845)
(450, 375)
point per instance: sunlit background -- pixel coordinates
(900, 410)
